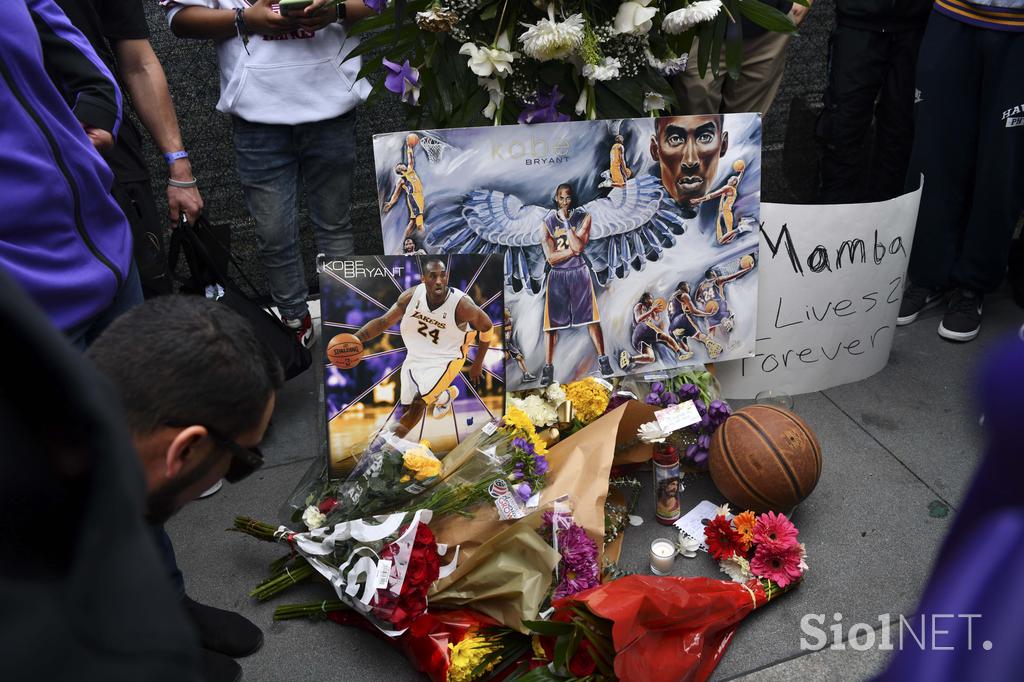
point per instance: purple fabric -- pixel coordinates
(978, 568)
(544, 109)
(41, 244)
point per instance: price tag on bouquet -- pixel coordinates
(677, 416)
(383, 573)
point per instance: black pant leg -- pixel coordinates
(856, 72)
(999, 179)
(946, 136)
(894, 116)
(136, 200)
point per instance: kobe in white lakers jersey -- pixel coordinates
(435, 346)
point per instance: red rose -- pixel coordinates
(417, 575)
(582, 663)
(327, 505)
(389, 551)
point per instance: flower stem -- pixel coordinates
(309, 610)
(296, 573)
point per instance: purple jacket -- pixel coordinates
(62, 236)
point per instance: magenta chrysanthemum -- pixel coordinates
(775, 528)
(579, 561)
(777, 562)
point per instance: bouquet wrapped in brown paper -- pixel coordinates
(579, 468)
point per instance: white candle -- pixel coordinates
(663, 554)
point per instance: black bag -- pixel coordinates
(208, 258)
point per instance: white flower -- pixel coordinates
(687, 546)
(667, 67)
(634, 17)
(538, 410)
(607, 70)
(313, 518)
(555, 393)
(550, 39)
(494, 92)
(489, 61)
(691, 15)
(723, 511)
(654, 101)
(651, 432)
(737, 568)
(581, 103)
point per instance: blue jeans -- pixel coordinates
(272, 161)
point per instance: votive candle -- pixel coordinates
(663, 554)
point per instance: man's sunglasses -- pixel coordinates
(244, 461)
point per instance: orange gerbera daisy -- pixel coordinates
(744, 524)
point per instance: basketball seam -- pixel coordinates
(726, 455)
(815, 445)
(775, 451)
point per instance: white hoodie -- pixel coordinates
(298, 77)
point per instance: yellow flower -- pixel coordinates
(589, 399)
(425, 443)
(421, 463)
(404, 479)
(517, 420)
(539, 446)
(466, 656)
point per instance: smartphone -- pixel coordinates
(293, 7)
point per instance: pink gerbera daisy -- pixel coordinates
(775, 528)
(776, 562)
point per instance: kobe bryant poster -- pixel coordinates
(627, 246)
(413, 345)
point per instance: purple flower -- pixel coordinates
(703, 441)
(689, 392)
(657, 387)
(718, 411)
(403, 80)
(699, 404)
(524, 491)
(377, 6)
(653, 399)
(691, 451)
(615, 401)
(540, 465)
(579, 561)
(669, 398)
(544, 109)
(523, 444)
(705, 422)
(700, 457)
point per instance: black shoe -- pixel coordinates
(218, 667)
(528, 378)
(915, 301)
(224, 632)
(606, 365)
(962, 320)
(547, 375)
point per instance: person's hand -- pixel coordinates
(185, 200)
(316, 16)
(101, 139)
(261, 19)
(387, 206)
(476, 371)
(797, 13)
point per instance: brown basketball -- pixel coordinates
(345, 351)
(660, 305)
(765, 458)
(711, 307)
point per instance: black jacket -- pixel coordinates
(883, 15)
(84, 594)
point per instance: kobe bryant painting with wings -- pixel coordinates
(628, 246)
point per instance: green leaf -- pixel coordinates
(541, 674)
(549, 628)
(489, 12)
(766, 16)
(704, 37)
(716, 43)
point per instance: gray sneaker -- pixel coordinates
(915, 301)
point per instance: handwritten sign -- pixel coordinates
(830, 287)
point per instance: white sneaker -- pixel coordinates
(441, 409)
(212, 489)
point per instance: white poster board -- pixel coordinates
(831, 281)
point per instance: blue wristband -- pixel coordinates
(174, 156)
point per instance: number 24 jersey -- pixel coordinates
(433, 335)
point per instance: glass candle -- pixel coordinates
(663, 554)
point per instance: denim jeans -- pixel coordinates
(272, 162)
